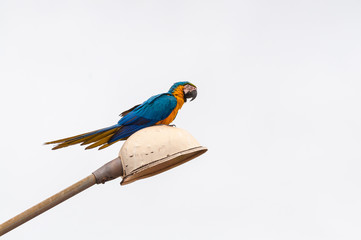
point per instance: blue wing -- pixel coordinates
(147, 114)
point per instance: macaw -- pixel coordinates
(159, 109)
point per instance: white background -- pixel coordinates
(278, 107)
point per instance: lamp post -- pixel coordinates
(147, 152)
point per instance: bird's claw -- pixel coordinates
(169, 125)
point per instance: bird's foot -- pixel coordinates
(169, 125)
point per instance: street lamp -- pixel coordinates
(146, 153)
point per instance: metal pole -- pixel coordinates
(47, 204)
(107, 172)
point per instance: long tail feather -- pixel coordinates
(106, 145)
(97, 137)
(98, 143)
(110, 143)
(70, 138)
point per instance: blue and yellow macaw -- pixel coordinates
(159, 109)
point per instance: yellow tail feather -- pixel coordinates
(106, 145)
(67, 139)
(96, 139)
(98, 143)
(100, 136)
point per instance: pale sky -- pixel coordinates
(278, 107)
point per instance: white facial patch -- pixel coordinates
(189, 88)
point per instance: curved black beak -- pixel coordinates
(192, 94)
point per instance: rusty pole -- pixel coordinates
(109, 171)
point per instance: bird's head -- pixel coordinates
(188, 90)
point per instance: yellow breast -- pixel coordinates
(178, 94)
